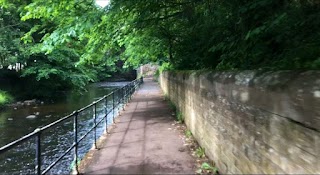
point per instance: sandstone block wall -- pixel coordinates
(251, 122)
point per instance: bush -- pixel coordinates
(5, 98)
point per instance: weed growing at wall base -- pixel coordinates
(200, 152)
(204, 165)
(178, 115)
(188, 133)
(207, 168)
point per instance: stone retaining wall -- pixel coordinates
(251, 122)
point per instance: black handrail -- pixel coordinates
(125, 93)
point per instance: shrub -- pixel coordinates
(5, 98)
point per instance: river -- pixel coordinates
(54, 141)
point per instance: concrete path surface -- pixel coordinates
(142, 141)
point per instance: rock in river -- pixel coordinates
(30, 102)
(31, 117)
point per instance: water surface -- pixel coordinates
(15, 123)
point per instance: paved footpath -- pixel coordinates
(141, 142)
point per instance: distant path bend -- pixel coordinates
(143, 142)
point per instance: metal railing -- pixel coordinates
(124, 95)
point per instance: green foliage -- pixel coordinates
(5, 98)
(207, 168)
(188, 133)
(173, 107)
(50, 44)
(179, 116)
(61, 67)
(171, 104)
(165, 66)
(223, 35)
(12, 50)
(68, 43)
(200, 152)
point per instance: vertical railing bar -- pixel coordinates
(113, 112)
(128, 87)
(38, 152)
(124, 95)
(118, 103)
(95, 124)
(122, 99)
(106, 113)
(130, 90)
(127, 93)
(75, 131)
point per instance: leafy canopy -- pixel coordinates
(187, 34)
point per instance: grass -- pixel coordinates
(200, 152)
(188, 133)
(180, 117)
(204, 165)
(5, 98)
(178, 114)
(207, 169)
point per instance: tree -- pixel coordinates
(50, 57)
(189, 34)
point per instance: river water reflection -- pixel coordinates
(15, 123)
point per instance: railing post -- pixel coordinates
(122, 98)
(38, 152)
(131, 85)
(118, 100)
(95, 124)
(127, 97)
(75, 132)
(106, 112)
(128, 92)
(128, 87)
(113, 112)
